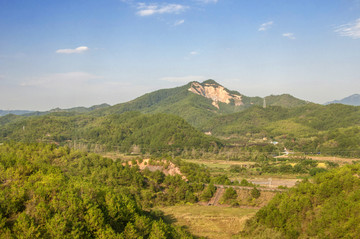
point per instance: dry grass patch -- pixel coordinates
(209, 221)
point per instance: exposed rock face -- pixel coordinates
(171, 168)
(216, 93)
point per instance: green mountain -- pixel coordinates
(209, 107)
(197, 103)
(79, 110)
(350, 100)
(127, 132)
(333, 129)
(284, 100)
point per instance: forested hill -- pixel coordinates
(127, 132)
(328, 207)
(51, 192)
(350, 100)
(333, 129)
(79, 110)
(197, 102)
(274, 120)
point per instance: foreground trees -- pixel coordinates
(50, 192)
(328, 207)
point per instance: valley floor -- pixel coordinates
(213, 222)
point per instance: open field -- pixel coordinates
(209, 221)
(218, 163)
(335, 159)
(222, 167)
(339, 160)
(274, 182)
(218, 166)
(122, 156)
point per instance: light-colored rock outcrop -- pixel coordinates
(216, 93)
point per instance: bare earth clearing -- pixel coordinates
(209, 221)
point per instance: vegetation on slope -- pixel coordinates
(325, 208)
(332, 129)
(50, 192)
(284, 100)
(195, 109)
(123, 132)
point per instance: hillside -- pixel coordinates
(54, 192)
(79, 110)
(284, 100)
(197, 102)
(325, 207)
(333, 129)
(209, 107)
(350, 100)
(127, 132)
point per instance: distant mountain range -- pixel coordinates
(207, 99)
(15, 112)
(177, 119)
(350, 100)
(31, 113)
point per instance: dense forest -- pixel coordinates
(311, 129)
(127, 132)
(327, 206)
(331, 130)
(54, 192)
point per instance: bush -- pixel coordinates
(315, 171)
(230, 194)
(255, 193)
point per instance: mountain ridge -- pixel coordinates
(353, 99)
(14, 112)
(197, 102)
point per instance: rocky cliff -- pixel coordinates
(216, 93)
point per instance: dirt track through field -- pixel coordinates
(214, 201)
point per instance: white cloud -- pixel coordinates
(79, 49)
(179, 22)
(183, 79)
(265, 26)
(350, 30)
(194, 53)
(151, 9)
(289, 35)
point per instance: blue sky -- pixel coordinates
(84, 52)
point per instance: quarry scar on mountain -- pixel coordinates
(216, 93)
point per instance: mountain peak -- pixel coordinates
(350, 100)
(216, 92)
(211, 82)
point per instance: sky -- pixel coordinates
(68, 53)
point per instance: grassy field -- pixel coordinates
(222, 167)
(209, 221)
(339, 160)
(218, 166)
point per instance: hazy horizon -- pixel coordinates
(82, 53)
